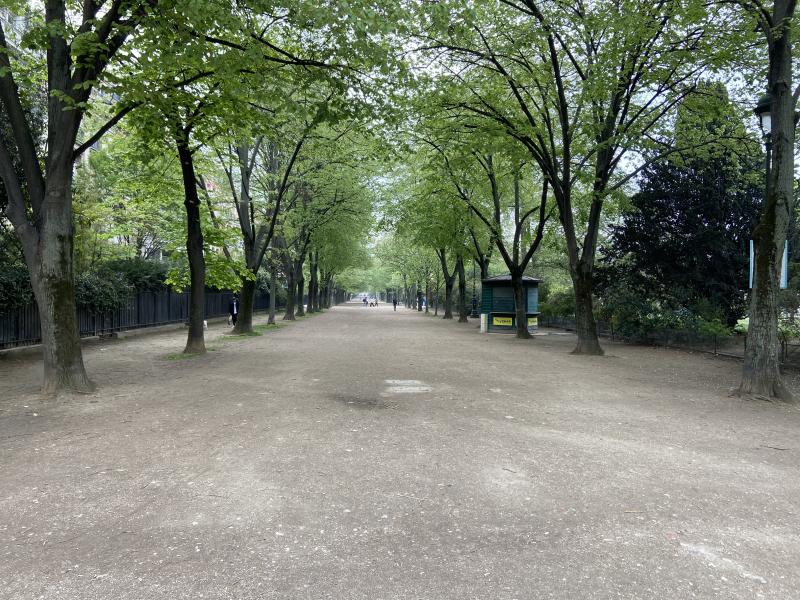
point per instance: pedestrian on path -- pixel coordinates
(394, 302)
(233, 309)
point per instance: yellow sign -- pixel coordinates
(505, 321)
(533, 321)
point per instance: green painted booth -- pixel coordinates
(497, 304)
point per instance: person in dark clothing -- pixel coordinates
(233, 309)
(394, 302)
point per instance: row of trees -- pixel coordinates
(273, 95)
(533, 121)
(516, 127)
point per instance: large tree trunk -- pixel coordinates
(195, 342)
(301, 286)
(322, 285)
(449, 280)
(462, 291)
(48, 249)
(312, 284)
(761, 377)
(290, 296)
(273, 296)
(53, 285)
(448, 298)
(586, 328)
(244, 322)
(484, 267)
(519, 306)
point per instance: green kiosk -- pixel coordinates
(497, 304)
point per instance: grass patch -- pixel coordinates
(230, 337)
(269, 326)
(183, 356)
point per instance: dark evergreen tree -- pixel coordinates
(681, 249)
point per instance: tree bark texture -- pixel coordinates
(244, 322)
(519, 306)
(585, 325)
(301, 286)
(761, 376)
(273, 296)
(50, 268)
(290, 296)
(195, 341)
(463, 314)
(449, 281)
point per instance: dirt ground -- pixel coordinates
(368, 454)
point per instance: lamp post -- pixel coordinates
(763, 111)
(474, 313)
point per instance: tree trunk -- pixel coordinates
(312, 284)
(195, 342)
(321, 293)
(273, 296)
(412, 297)
(586, 328)
(301, 286)
(761, 377)
(290, 296)
(519, 306)
(483, 265)
(54, 288)
(48, 251)
(449, 280)
(448, 298)
(244, 322)
(462, 291)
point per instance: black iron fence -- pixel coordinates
(145, 309)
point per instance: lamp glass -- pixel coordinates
(766, 122)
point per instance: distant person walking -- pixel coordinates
(394, 303)
(365, 300)
(233, 309)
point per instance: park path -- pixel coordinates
(371, 454)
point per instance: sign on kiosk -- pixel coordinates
(503, 321)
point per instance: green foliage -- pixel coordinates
(558, 303)
(15, 287)
(141, 275)
(102, 290)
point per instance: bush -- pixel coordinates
(262, 287)
(142, 275)
(101, 291)
(637, 315)
(558, 303)
(15, 287)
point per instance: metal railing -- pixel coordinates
(144, 309)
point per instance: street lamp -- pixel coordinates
(763, 111)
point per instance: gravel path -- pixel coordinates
(368, 454)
